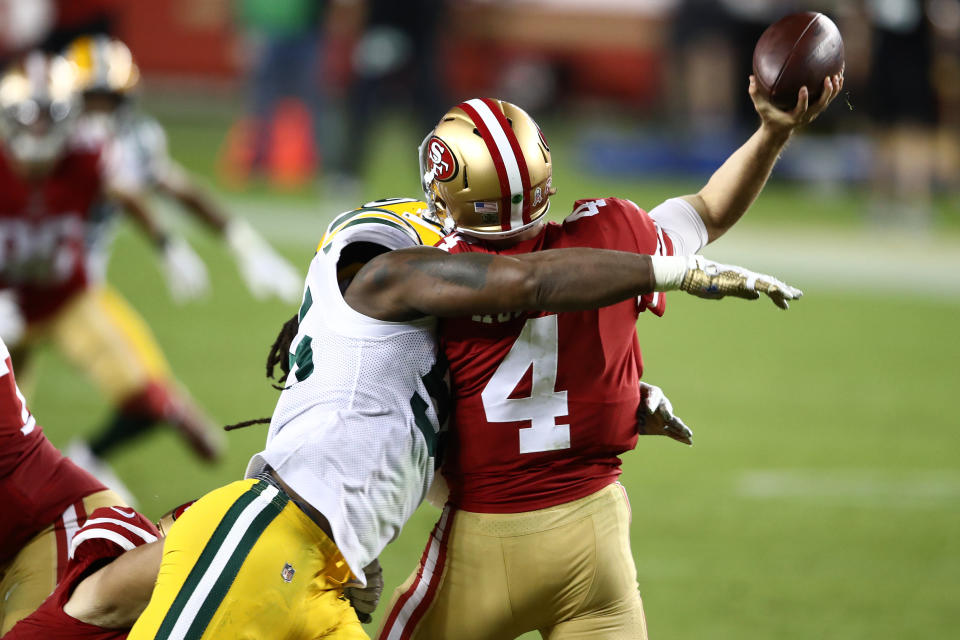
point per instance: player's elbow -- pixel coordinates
(716, 217)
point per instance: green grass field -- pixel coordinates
(822, 496)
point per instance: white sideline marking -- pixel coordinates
(846, 486)
(856, 260)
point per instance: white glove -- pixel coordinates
(264, 270)
(712, 280)
(185, 272)
(365, 600)
(12, 324)
(656, 418)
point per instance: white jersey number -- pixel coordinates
(536, 348)
(26, 419)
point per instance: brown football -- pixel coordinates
(798, 50)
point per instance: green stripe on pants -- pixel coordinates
(186, 602)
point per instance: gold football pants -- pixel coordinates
(100, 333)
(244, 562)
(566, 571)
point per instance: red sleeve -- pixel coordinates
(109, 531)
(18, 428)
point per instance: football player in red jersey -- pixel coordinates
(44, 498)
(110, 573)
(51, 186)
(535, 536)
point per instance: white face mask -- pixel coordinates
(27, 142)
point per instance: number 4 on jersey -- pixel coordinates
(536, 348)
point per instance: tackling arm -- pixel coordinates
(737, 183)
(411, 283)
(114, 596)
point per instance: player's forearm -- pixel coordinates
(114, 596)
(423, 281)
(194, 199)
(138, 211)
(737, 183)
(577, 279)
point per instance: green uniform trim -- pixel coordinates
(221, 586)
(399, 223)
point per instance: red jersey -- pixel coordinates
(43, 228)
(106, 535)
(545, 403)
(37, 483)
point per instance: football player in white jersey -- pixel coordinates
(356, 435)
(137, 160)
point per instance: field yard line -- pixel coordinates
(875, 261)
(897, 263)
(919, 488)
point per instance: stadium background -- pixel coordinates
(821, 497)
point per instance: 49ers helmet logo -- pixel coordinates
(441, 160)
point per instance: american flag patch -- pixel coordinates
(486, 207)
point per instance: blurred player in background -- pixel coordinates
(44, 499)
(356, 434)
(138, 163)
(52, 187)
(536, 535)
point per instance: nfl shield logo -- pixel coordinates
(287, 572)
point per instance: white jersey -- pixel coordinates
(134, 159)
(356, 428)
(138, 157)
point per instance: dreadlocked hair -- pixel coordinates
(277, 357)
(280, 349)
(246, 423)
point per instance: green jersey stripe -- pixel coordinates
(346, 215)
(401, 224)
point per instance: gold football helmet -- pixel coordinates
(486, 169)
(38, 104)
(104, 65)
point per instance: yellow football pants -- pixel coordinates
(244, 562)
(566, 571)
(27, 580)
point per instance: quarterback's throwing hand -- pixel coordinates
(656, 418)
(364, 601)
(708, 279)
